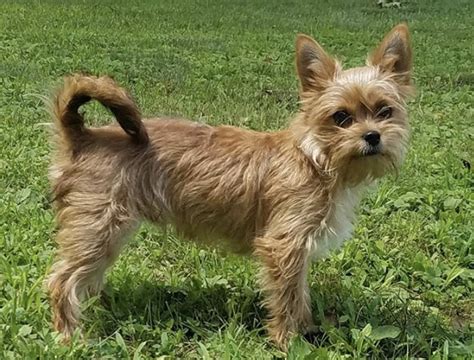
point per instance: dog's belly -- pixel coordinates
(337, 226)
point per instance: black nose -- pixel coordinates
(372, 138)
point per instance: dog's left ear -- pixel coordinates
(394, 54)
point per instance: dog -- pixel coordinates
(287, 197)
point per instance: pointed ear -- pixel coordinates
(394, 54)
(315, 68)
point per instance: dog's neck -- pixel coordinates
(339, 177)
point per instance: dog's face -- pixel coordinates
(355, 120)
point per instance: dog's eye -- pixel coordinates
(342, 118)
(385, 112)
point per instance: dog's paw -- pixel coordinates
(312, 334)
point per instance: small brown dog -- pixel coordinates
(285, 196)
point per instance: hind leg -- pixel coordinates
(90, 239)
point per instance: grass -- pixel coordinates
(402, 288)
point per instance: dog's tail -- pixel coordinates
(78, 90)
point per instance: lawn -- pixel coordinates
(402, 288)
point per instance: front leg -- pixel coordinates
(283, 280)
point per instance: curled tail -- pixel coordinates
(78, 90)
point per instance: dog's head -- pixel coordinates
(355, 121)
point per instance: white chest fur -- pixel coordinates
(337, 226)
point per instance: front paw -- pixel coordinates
(279, 334)
(312, 334)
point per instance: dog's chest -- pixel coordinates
(337, 226)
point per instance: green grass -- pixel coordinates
(402, 288)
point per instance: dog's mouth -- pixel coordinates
(371, 151)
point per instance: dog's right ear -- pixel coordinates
(314, 66)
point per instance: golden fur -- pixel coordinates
(283, 196)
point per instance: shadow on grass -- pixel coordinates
(199, 309)
(193, 308)
(145, 308)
